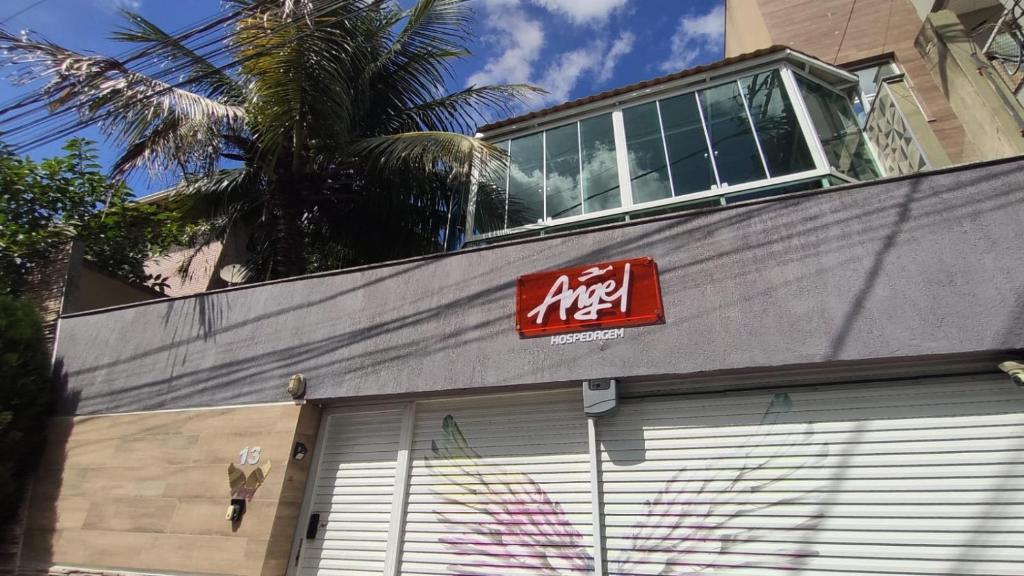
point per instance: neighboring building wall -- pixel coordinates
(845, 31)
(48, 285)
(204, 272)
(200, 276)
(991, 114)
(744, 28)
(69, 284)
(877, 272)
(923, 7)
(95, 289)
(148, 492)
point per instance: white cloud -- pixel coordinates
(570, 67)
(696, 35)
(133, 5)
(623, 45)
(582, 11)
(493, 5)
(520, 38)
(563, 75)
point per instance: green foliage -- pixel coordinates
(342, 144)
(44, 204)
(26, 393)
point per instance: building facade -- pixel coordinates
(925, 60)
(798, 373)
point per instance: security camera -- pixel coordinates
(1015, 370)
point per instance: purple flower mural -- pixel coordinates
(699, 522)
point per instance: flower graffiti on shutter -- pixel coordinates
(686, 528)
(525, 528)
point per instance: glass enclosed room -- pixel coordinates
(763, 124)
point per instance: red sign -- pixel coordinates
(592, 297)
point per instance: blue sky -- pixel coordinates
(571, 48)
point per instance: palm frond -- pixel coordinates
(425, 152)
(131, 108)
(216, 203)
(435, 25)
(322, 102)
(300, 70)
(416, 62)
(222, 186)
(464, 110)
(302, 7)
(202, 74)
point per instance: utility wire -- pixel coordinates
(67, 129)
(203, 28)
(23, 102)
(842, 40)
(225, 47)
(127, 55)
(22, 11)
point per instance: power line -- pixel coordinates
(22, 11)
(60, 131)
(181, 35)
(35, 104)
(849, 18)
(43, 135)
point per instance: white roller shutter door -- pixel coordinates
(913, 478)
(921, 478)
(500, 485)
(355, 485)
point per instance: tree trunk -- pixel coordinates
(287, 204)
(289, 252)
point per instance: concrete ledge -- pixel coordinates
(990, 114)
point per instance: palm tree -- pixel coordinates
(322, 127)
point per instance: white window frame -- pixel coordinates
(863, 135)
(875, 63)
(822, 167)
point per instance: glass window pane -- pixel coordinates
(526, 181)
(689, 159)
(600, 166)
(732, 140)
(869, 79)
(840, 134)
(647, 169)
(489, 214)
(785, 149)
(563, 172)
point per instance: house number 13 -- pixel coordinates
(250, 455)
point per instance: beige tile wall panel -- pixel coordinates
(147, 492)
(844, 31)
(744, 28)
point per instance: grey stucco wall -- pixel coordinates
(924, 266)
